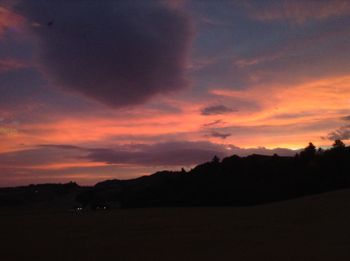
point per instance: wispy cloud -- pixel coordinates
(343, 133)
(11, 64)
(221, 135)
(216, 110)
(212, 123)
(299, 11)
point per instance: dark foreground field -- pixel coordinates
(311, 228)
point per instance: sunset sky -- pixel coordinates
(95, 90)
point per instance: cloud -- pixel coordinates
(10, 64)
(298, 11)
(346, 118)
(220, 135)
(59, 163)
(41, 155)
(343, 133)
(61, 146)
(166, 154)
(262, 151)
(9, 21)
(292, 115)
(216, 109)
(5, 131)
(175, 153)
(212, 123)
(158, 154)
(63, 163)
(120, 53)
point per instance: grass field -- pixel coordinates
(311, 228)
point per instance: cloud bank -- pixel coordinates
(177, 153)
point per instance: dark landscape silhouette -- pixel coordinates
(232, 181)
(150, 218)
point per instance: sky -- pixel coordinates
(96, 90)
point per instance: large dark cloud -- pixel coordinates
(117, 52)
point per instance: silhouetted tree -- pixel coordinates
(309, 152)
(215, 160)
(320, 151)
(338, 144)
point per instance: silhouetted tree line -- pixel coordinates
(234, 181)
(38, 195)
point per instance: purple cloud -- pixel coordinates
(120, 53)
(41, 155)
(167, 153)
(177, 153)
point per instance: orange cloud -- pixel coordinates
(291, 110)
(98, 129)
(287, 116)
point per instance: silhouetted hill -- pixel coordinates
(234, 181)
(43, 195)
(237, 181)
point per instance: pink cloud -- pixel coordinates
(11, 64)
(9, 21)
